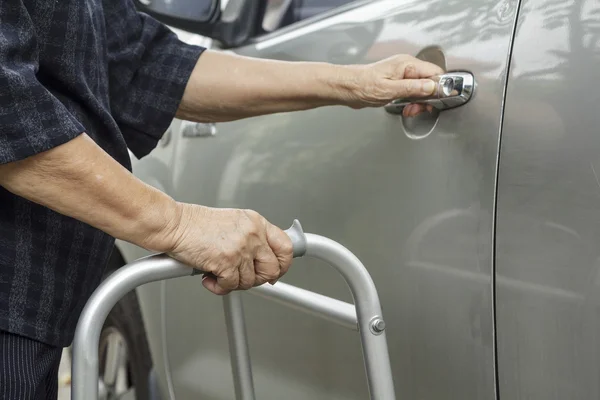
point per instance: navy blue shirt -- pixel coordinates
(68, 67)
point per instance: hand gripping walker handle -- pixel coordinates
(161, 267)
(295, 233)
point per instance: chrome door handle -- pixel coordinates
(454, 89)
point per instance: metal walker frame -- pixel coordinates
(364, 316)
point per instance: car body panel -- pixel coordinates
(413, 200)
(548, 211)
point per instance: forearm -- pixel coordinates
(80, 180)
(226, 87)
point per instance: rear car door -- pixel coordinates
(548, 258)
(414, 200)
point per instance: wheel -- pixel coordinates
(124, 355)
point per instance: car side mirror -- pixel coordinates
(231, 26)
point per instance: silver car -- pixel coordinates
(479, 224)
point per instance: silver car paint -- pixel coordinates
(414, 200)
(548, 229)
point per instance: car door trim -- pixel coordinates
(325, 20)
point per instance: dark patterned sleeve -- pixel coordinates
(32, 120)
(149, 68)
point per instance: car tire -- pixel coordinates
(125, 325)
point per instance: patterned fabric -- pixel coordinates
(28, 368)
(67, 67)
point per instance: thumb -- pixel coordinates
(413, 87)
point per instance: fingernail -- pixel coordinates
(428, 87)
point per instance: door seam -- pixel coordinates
(495, 205)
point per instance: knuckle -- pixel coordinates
(259, 281)
(287, 248)
(246, 284)
(269, 271)
(253, 231)
(409, 68)
(251, 215)
(253, 223)
(272, 274)
(231, 255)
(247, 279)
(225, 270)
(212, 269)
(208, 265)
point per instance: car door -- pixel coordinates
(548, 258)
(414, 199)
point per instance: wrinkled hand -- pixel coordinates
(238, 249)
(397, 77)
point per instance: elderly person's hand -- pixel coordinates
(397, 77)
(238, 249)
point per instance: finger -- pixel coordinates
(247, 275)
(210, 283)
(404, 88)
(281, 245)
(229, 279)
(429, 108)
(266, 267)
(412, 110)
(418, 109)
(416, 69)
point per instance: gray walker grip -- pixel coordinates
(368, 318)
(298, 238)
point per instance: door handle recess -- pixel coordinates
(454, 89)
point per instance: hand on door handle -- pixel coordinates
(453, 90)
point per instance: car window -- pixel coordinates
(309, 8)
(280, 13)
